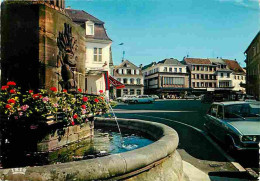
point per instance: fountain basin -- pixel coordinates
(157, 161)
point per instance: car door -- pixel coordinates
(220, 124)
(211, 120)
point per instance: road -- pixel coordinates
(187, 118)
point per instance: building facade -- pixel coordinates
(253, 67)
(98, 50)
(202, 74)
(168, 76)
(131, 76)
(238, 75)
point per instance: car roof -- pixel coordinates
(231, 103)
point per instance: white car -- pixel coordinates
(125, 98)
(141, 99)
(154, 97)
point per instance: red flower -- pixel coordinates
(8, 106)
(30, 91)
(83, 106)
(85, 99)
(96, 100)
(64, 90)
(72, 123)
(12, 91)
(36, 96)
(102, 98)
(79, 89)
(12, 101)
(4, 87)
(53, 89)
(75, 116)
(100, 91)
(11, 83)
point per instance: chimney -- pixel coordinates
(141, 66)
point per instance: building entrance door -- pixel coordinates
(118, 93)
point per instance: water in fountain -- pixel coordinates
(122, 142)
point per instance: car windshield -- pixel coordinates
(242, 111)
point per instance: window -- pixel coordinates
(193, 84)
(206, 68)
(221, 75)
(202, 76)
(198, 84)
(138, 81)
(202, 84)
(175, 69)
(131, 81)
(206, 84)
(198, 76)
(193, 67)
(180, 69)
(242, 77)
(201, 68)
(170, 69)
(228, 75)
(220, 112)
(207, 76)
(193, 76)
(210, 84)
(119, 79)
(213, 110)
(138, 92)
(89, 28)
(165, 69)
(198, 67)
(235, 77)
(125, 81)
(98, 54)
(132, 91)
(128, 71)
(173, 81)
(125, 91)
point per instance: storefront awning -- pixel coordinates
(115, 83)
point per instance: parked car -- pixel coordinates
(246, 97)
(125, 98)
(191, 97)
(154, 97)
(141, 99)
(236, 124)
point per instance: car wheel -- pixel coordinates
(119, 100)
(135, 102)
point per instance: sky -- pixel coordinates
(152, 30)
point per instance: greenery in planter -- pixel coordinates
(39, 105)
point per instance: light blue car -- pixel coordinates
(141, 99)
(236, 124)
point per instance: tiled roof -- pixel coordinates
(82, 16)
(99, 33)
(170, 61)
(197, 61)
(233, 65)
(127, 62)
(167, 61)
(217, 61)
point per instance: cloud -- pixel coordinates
(250, 4)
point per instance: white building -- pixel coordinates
(131, 76)
(98, 50)
(168, 76)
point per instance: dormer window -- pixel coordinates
(89, 28)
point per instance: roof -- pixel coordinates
(82, 16)
(170, 61)
(233, 65)
(231, 103)
(199, 61)
(167, 61)
(127, 62)
(258, 34)
(217, 61)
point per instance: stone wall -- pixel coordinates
(29, 44)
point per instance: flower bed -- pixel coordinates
(39, 106)
(38, 122)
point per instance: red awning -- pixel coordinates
(115, 83)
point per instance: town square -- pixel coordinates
(143, 90)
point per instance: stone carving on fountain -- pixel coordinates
(67, 59)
